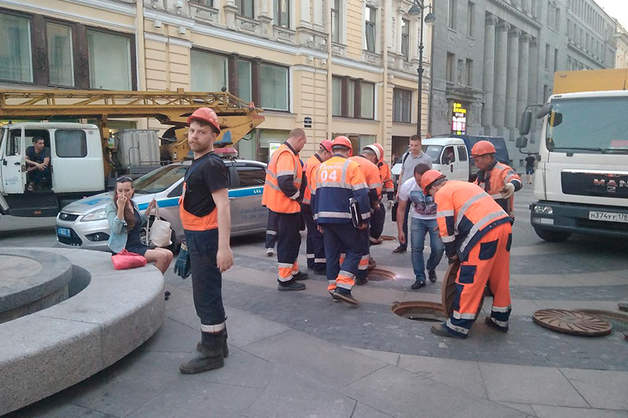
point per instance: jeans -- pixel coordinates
(405, 223)
(206, 277)
(419, 229)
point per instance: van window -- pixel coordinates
(448, 156)
(433, 151)
(251, 175)
(70, 143)
(13, 144)
(462, 154)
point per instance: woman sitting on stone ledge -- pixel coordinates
(125, 223)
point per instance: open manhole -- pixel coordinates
(572, 323)
(448, 293)
(419, 311)
(381, 275)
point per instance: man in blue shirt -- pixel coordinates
(423, 214)
(38, 164)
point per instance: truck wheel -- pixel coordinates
(552, 236)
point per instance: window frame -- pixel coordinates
(259, 83)
(210, 3)
(373, 25)
(403, 97)
(240, 4)
(241, 167)
(84, 138)
(452, 14)
(405, 38)
(277, 14)
(471, 19)
(80, 52)
(72, 47)
(336, 18)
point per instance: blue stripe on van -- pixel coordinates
(174, 201)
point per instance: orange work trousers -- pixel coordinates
(488, 261)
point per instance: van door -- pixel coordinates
(462, 165)
(14, 162)
(76, 162)
(247, 212)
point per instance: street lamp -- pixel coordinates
(417, 10)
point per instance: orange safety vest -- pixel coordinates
(498, 176)
(192, 222)
(386, 177)
(310, 172)
(465, 214)
(284, 162)
(371, 174)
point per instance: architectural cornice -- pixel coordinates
(516, 12)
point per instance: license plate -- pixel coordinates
(608, 216)
(63, 232)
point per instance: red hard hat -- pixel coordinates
(345, 142)
(206, 115)
(429, 177)
(482, 148)
(376, 150)
(327, 144)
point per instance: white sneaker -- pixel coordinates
(270, 252)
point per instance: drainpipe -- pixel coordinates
(141, 49)
(329, 74)
(383, 101)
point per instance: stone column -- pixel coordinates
(534, 71)
(499, 97)
(522, 91)
(488, 82)
(512, 77)
(398, 25)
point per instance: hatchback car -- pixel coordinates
(84, 223)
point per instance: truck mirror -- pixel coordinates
(544, 111)
(556, 118)
(526, 121)
(521, 142)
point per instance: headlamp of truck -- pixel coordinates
(544, 210)
(96, 215)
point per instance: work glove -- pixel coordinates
(507, 191)
(183, 266)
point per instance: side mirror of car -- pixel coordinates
(526, 122)
(521, 142)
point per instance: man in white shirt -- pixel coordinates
(423, 214)
(409, 161)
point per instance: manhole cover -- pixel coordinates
(381, 275)
(419, 310)
(449, 289)
(573, 323)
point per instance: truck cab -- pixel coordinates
(449, 156)
(75, 167)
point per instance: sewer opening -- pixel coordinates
(381, 275)
(419, 311)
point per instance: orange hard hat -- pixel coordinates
(345, 142)
(429, 177)
(207, 115)
(482, 148)
(327, 144)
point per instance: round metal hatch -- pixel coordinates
(572, 323)
(419, 310)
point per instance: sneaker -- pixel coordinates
(346, 296)
(400, 249)
(290, 286)
(417, 285)
(442, 331)
(270, 252)
(300, 276)
(488, 321)
(432, 275)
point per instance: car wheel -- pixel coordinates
(552, 236)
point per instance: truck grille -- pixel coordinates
(595, 184)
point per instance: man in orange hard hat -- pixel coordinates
(314, 245)
(497, 179)
(206, 219)
(478, 232)
(341, 207)
(282, 195)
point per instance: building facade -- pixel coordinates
(621, 36)
(493, 58)
(332, 67)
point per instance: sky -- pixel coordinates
(617, 9)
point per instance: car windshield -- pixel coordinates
(433, 151)
(159, 180)
(584, 125)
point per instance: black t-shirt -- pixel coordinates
(209, 177)
(530, 161)
(35, 157)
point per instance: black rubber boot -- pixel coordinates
(225, 347)
(211, 357)
(291, 285)
(300, 276)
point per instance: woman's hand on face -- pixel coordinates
(122, 200)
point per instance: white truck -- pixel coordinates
(581, 182)
(76, 166)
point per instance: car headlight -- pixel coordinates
(96, 215)
(544, 210)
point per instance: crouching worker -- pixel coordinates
(204, 211)
(478, 232)
(125, 224)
